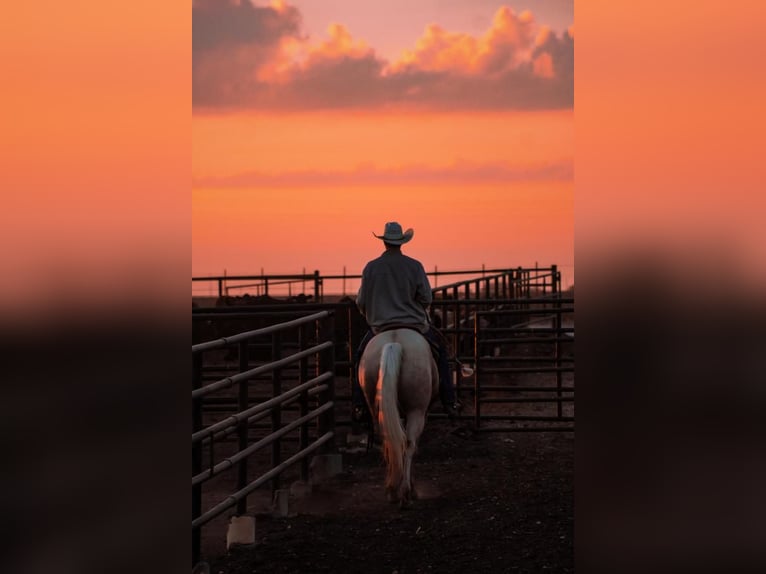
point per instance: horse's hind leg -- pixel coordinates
(415, 423)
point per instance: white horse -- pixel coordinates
(400, 379)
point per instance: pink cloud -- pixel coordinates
(247, 56)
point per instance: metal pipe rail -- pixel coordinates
(518, 329)
(226, 341)
(267, 368)
(263, 479)
(316, 274)
(523, 300)
(222, 434)
(256, 446)
(460, 305)
(497, 370)
(527, 340)
(248, 414)
(544, 311)
(314, 365)
(459, 284)
(521, 279)
(281, 309)
(550, 360)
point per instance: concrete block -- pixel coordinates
(324, 466)
(241, 531)
(281, 505)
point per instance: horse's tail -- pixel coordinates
(394, 437)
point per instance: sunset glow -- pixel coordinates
(303, 145)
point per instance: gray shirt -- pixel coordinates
(394, 291)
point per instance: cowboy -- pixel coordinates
(394, 293)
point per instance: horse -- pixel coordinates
(400, 379)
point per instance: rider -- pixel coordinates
(395, 292)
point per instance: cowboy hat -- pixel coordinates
(393, 234)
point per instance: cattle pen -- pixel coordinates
(271, 379)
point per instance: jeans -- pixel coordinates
(446, 388)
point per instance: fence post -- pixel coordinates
(327, 364)
(304, 400)
(196, 455)
(457, 335)
(557, 357)
(527, 283)
(555, 279)
(276, 411)
(514, 283)
(356, 324)
(317, 287)
(476, 384)
(243, 426)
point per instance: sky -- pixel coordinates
(315, 122)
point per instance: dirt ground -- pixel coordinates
(487, 503)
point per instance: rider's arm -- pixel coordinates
(360, 302)
(423, 294)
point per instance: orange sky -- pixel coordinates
(493, 188)
(339, 141)
(96, 149)
(285, 230)
(304, 145)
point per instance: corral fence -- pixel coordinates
(302, 287)
(284, 388)
(515, 330)
(524, 357)
(272, 378)
(466, 311)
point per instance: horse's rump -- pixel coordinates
(418, 372)
(399, 378)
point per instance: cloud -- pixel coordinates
(228, 23)
(505, 46)
(230, 41)
(559, 51)
(370, 175)
(247, 56)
